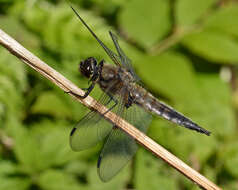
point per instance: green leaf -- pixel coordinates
(232, 185)
(50, 103)
(182, 141)
(14, 69)
(213, 46)
(43, 147)
(170, 74)
(9, 183)
(151, 174)
(7, 167)
(210, 172)
(55, 148)
(77, 167)
(14, 28)
(229, 155)
(225, 20)
(217, 113)
(53, 141)
(12, 104)
(188, 12)
(117, 183)
(67, 35)
(146, 25)
(12, 100)
(57, 180)
(27, 151)
(35, 18)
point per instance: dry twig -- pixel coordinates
(27, 57)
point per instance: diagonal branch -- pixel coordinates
(31, 60)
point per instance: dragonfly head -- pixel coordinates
(88, 67)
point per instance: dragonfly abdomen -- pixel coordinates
(151, 104)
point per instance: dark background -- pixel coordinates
(184, 51)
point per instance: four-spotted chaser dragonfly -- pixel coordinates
(128, 100)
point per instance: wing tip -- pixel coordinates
(103, 179)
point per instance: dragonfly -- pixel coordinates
(123, 95)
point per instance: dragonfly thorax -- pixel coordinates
(126, 76)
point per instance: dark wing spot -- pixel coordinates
(72, 132)
(99, 161)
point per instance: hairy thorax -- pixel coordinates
(115, 79)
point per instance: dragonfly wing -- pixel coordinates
(109, 52)
(119, 59)
(125, 61)
(119, 147)
(117, 151)
(92, 128)
(89, 131)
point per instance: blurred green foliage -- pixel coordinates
(186, 53)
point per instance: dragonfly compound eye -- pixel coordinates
(88, 66)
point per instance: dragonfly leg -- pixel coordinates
(97, 72)
(130, 100)
(93, 80)
(89, 89)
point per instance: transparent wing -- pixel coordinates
(109, 52)
(125, 61)
(92, 128)
(89, 131)
(119, 147)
